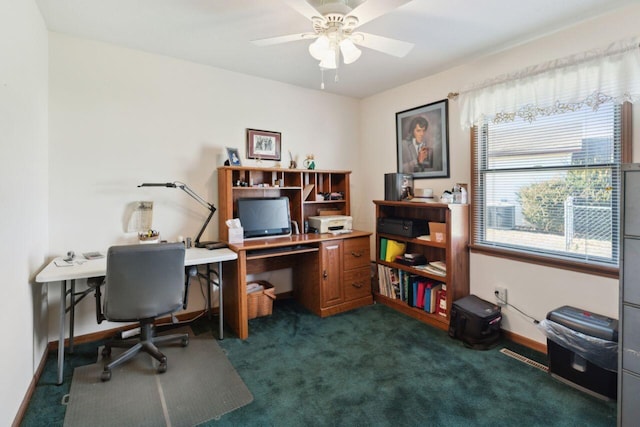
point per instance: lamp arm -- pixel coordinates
(184, 187)
(204, 226)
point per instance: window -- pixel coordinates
(548, 190)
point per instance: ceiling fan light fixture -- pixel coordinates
(329, 61)
(320, 48)
(350, 52)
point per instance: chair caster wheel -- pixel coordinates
(162, 368)
(106, 351)
(106, 375)
(185, 342)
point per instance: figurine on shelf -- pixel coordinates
(309, 163)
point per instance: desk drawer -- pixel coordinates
(356, 253)
(357, 283)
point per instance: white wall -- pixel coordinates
(23, 195)
(534, 289)
(121, 117)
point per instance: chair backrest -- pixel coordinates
(143, 281)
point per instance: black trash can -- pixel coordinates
(583, 350)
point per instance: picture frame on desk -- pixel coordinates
(233, 156)
(422, 135)
(263, 145)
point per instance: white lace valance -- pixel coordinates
(590, 78)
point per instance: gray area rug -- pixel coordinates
(199, 385)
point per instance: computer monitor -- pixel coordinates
(263, 217)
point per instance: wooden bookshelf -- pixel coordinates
(453, 251)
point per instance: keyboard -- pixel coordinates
(278, 250)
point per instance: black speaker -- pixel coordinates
(398, 186)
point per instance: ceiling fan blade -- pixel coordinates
(284, 39)
(304, 9)
(371, 9)
(382, 44)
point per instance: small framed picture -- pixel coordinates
(234, 157)
(263, 145)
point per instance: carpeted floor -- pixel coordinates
(371, 367)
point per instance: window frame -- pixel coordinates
(550, 261)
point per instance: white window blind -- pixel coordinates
(550, 186)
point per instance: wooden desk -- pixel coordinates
(331, 273)
(84, 269)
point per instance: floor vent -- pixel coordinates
(523, 359)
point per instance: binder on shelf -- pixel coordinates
(421, 290)
(383, 248)
(431, 297)
(394, 249)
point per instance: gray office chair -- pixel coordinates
(143, 282)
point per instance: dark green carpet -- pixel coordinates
(371, 366)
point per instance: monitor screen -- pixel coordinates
(264, 216)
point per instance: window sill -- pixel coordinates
(598, 270)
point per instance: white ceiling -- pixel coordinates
(446, 33)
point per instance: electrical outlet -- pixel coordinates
(501, 295)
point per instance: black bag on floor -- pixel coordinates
(475, 322)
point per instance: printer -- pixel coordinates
(330, 224)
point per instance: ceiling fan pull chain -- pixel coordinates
(337, 53)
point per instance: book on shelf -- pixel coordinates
(395, 283)
(388, 281)
(430, 269)
(441, 303)
(440, 265)
(431, 296)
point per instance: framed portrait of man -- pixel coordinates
(422, 136)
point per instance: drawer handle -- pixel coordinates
(357, 285)
(324, 274)
(356, 254)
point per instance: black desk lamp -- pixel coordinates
(203, 202)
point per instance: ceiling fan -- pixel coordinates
(334, 24)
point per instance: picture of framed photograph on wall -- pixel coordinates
(262, 144)
(422, 136)
(234, 157)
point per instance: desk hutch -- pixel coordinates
(453, 251)
(331, 273)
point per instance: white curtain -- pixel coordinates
(611, 74)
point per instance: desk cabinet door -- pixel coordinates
(331, 290)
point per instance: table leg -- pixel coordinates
(220, 305)
(72, 314)
(209, 291)
(63, 299)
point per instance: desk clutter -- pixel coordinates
(260, 296)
